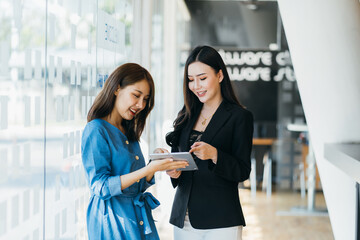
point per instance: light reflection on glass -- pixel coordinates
(48, 81)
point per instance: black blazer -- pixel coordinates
(211, 193)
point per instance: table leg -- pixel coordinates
(269, 177)
(302, 180)
(310, 210)
(311, 174)
(253, 177)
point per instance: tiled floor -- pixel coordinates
(273, 218)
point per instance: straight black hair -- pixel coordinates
(212, 58)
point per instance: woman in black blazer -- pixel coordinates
(217, 130)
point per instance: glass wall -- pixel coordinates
(54, 58)
(22, 118)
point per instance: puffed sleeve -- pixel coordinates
(96, 157)
(236, 165)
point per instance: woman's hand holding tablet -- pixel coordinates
(177, 156)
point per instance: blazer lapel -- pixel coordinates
(217, 121)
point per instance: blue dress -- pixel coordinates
(114, 213)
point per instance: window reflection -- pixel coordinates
(48, 81)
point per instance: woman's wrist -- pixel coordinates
(150, 169)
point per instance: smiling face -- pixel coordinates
(204, 82)
(131, 100)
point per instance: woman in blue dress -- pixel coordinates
(119, 207)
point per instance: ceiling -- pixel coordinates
(240, 24)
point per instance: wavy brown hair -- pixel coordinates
(125, 75)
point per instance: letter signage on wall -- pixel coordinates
(111, 32)
(258, 65)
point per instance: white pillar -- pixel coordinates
(145, 61)
(324, 42)
(170, 63)
(146, 33)
(136, 32)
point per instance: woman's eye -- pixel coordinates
(136, 96)
(202, 79)
(190, 79)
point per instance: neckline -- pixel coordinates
(211, 119)
(197, 131)
(221, 102)
(112, 126)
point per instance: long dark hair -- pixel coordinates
(124, 75)
(212, 58)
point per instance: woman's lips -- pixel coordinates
(201, 94)
(133, 112)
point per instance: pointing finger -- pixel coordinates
(196, 144)
(192, 150)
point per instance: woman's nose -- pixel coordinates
(196, 84)
(140, 103)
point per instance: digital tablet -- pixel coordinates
(177, 156)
